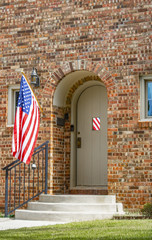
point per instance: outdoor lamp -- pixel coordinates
(35, 78)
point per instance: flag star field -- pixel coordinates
(25, 97)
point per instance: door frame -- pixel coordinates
(73, 163)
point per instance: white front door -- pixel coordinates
(92, 137)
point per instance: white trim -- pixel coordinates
(143, 117)
(145, 120)
(11, 104)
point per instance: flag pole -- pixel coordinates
(32, 91)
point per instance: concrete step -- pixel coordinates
(77, 198)
(67, 208)
(57, 216)
(73, 207)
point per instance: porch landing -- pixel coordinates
(71, 208)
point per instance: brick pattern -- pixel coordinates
(112, 39)
(78, 84)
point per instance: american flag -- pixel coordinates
(26, 124)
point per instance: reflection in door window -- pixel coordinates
(149, 98)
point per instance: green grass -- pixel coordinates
(104, 229)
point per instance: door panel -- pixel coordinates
(92, 152)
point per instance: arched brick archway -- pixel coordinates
(61, 135)
(107, 76)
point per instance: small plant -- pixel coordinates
(11, 216)
(1, 215)
(147, 210)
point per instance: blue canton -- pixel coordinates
(25, 96)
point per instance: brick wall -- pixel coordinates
(111, 39)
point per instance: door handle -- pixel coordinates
(79, 142)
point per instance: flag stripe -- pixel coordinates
(32, 143)
(25, 130)
(29, 139)
(26, 124)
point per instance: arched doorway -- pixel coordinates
(69, 97)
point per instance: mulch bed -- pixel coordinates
(127, 217)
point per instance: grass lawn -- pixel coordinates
(104, 229)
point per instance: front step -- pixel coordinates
(60, 216)
(67, 208)
(77, 198)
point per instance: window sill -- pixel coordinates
(145, 123)
(11, 125)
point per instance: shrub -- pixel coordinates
(147, 210)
